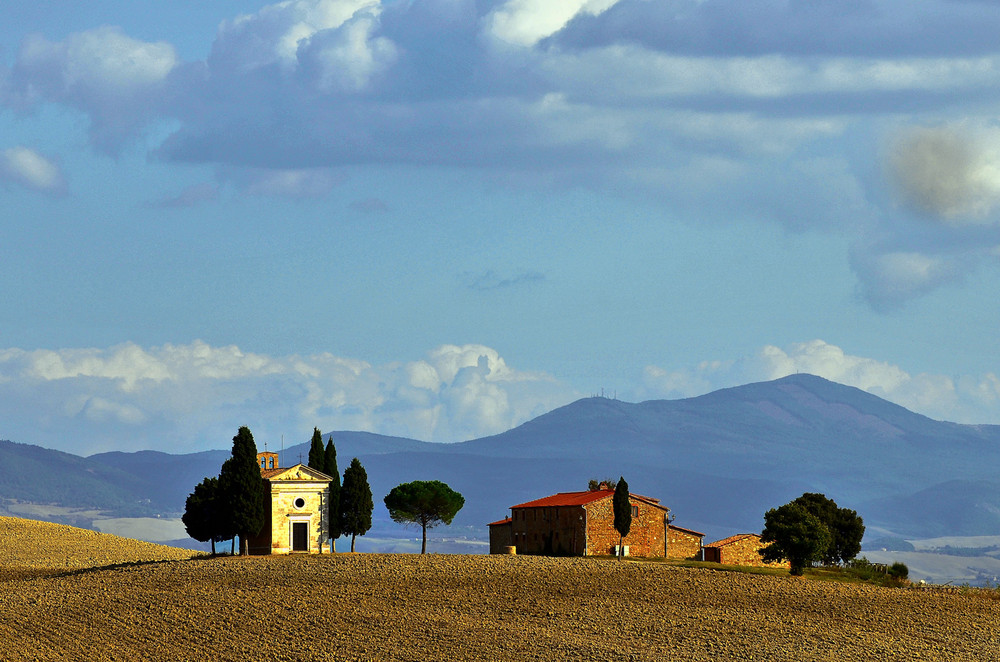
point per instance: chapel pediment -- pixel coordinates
(297, 472)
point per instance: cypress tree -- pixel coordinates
(330, 469)
(623, 512)
(242, 488)
(317, 460)
(356, 503)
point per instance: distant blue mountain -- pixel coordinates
(719, 461)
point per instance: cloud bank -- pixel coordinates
(188, 398)
(772, 113)
(181, 398)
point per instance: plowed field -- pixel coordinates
(401, 607)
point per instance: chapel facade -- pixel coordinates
(297, 509)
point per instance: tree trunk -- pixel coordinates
(213, 546)
(620, 537)
(333, 545)
(232, 546)
(423, 546)
(354, 537)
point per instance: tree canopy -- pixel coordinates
(356, 503)
(594, 484)
(204, 514)
(795, 535)
(242, 489)
(426, 503)
(846, 527)
(622, 508)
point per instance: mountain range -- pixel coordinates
(719, 461)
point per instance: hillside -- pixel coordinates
(30, 548)
(458, 607)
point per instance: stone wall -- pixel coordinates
(500, 537)
(645, 537)
(740, 550)
(683, 544)
(549, 530)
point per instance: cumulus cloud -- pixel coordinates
(26, 167)
(949, 172)
(526, 22)
(182, 398)
(117, 80)
(963, 399)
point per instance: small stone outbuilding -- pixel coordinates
(741, 549)
(582, 524)
(297, 517)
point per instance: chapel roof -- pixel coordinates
(296, 472)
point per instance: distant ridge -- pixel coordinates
(718, 461)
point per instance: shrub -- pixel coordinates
(898, 570)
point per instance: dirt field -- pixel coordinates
(406, 607)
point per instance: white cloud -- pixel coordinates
(963, 399)
(189, 397)
(332, 41)
(30, 169)
(526, 22)
(117, 80)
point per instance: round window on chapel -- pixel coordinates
(300, 502)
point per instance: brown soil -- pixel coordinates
(438, 607)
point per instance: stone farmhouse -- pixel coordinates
(741, 549)
(582, 524)
(297, 515)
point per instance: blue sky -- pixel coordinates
(440, 218)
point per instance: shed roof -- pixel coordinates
(731, 539)
(505, 520)
(691, 531)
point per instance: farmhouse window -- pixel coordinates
(635, 511)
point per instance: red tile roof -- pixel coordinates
(732, 539)
(567, 499)
(581, 499)
(505, 520)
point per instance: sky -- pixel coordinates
(441, 218)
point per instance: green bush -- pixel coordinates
(898, 570)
